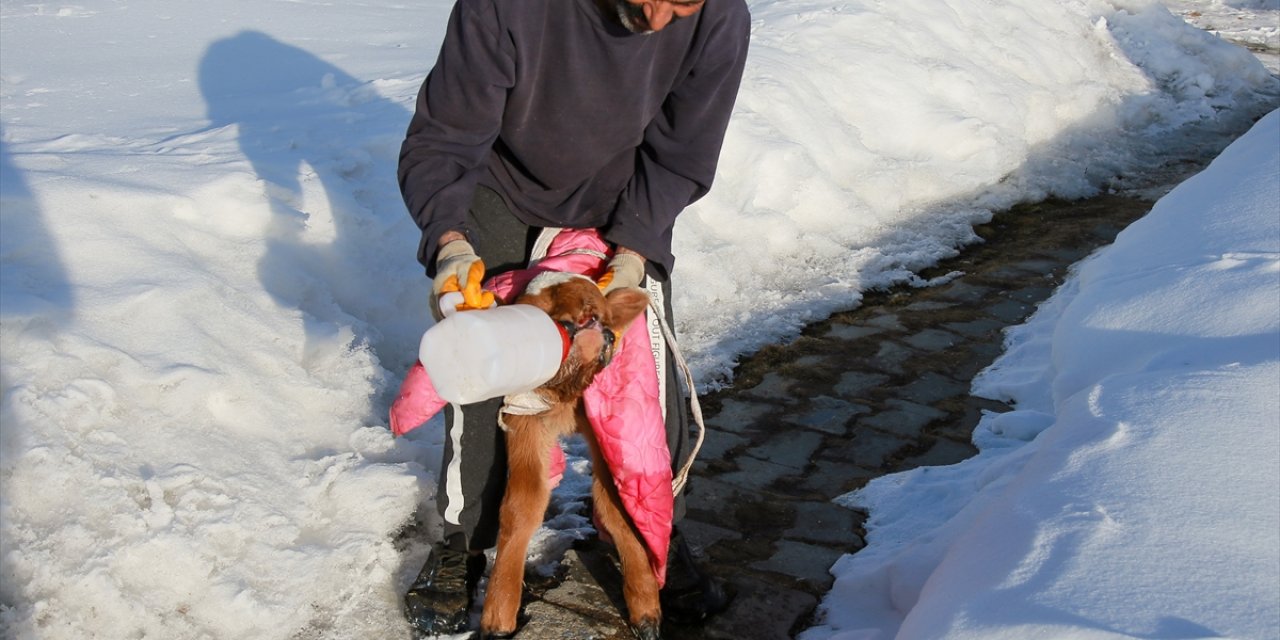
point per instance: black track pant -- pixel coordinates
(473, 475)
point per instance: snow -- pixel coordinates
(208, 296)
(1132, 493)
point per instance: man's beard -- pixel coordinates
(632, 17)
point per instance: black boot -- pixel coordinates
(439, 601)
(690, 595)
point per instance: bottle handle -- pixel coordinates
(449, 303)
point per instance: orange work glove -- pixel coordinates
(625, 270)
(458, 268)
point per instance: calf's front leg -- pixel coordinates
(523, 508)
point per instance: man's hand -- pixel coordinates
(626, 269)
(458, 268)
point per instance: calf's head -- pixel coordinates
(593, 322)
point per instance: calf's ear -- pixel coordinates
(624, 306)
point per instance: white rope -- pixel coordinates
(682, 477)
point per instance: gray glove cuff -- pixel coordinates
(453, 250)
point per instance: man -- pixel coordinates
(605, 114)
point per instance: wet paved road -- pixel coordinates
(872, 391)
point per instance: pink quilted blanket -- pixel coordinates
(622, 402)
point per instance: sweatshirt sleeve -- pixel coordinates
(456, 120)
(676, 162)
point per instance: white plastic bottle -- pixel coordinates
(487, 353)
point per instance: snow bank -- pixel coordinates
(869, 138)
(1132, 493)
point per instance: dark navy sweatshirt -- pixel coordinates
(575, 121)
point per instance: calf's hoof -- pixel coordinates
(647, 630)
(490, 629)
(489, 633)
